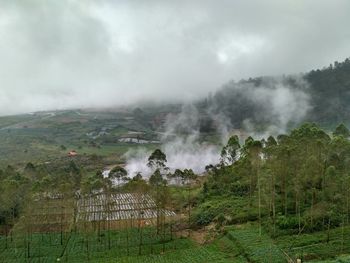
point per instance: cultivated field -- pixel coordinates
(133, 245)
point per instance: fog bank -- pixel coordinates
(84, 54)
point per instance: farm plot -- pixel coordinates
(317, 246)
(256, 248)
(37, 247)
(57, 228)
(81, 241)
(177, 250)
(75, 246)
(129, 245)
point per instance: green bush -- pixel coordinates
(233, 209)
(290, 222)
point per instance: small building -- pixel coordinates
(72, 153)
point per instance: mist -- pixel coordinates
(182, 145)
(278, 104)
(264, 104)
(83, 54)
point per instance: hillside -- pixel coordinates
(44, 136)
(276, 199)
(320, 96)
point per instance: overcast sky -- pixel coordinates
(64, 54)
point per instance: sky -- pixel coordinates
(83, 54)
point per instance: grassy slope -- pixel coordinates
(38, 137)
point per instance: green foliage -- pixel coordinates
(290, 222)
(257, 248)
(297, 183)
(316, 245)
(230, 152)
(157, 160)
(47, 136)
(118, 173)
(235, 210)
(62, 147)
(327, 89)
(136, 184)
(80, 247)
(341, 130)
(156, 179)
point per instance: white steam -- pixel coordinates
(283, 105)
(180, 143)
(136, 162)
(276, 104)
(188, 153)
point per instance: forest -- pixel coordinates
(297, 182)
(324, 92)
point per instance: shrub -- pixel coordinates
(290, 222)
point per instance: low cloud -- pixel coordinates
(267, 104)
(78, 54)
(259, 108)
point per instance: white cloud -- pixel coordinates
(232, 48)
(70, 53)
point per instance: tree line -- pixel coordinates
(298, 182)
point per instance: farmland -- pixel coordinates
(88, 247)
(239, 244)
(60, 207)
(174, 131)
(50, 135)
